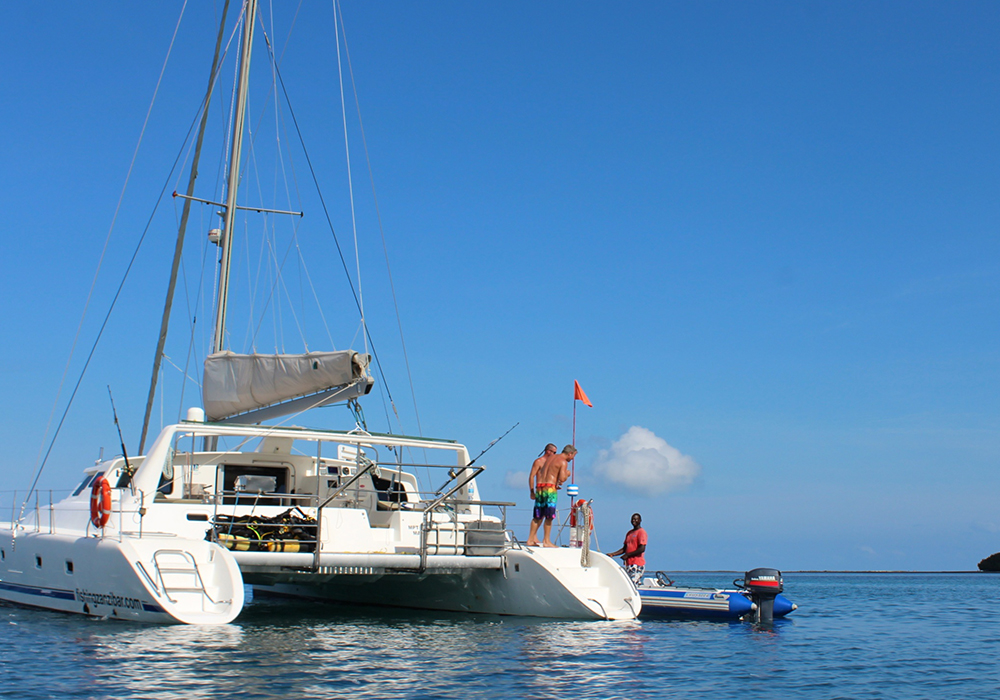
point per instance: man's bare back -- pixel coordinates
(555, 470)
(537, 466)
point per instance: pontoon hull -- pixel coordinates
(147, 580)
(679, 602)
(527, 582)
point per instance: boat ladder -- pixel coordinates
(177, 572)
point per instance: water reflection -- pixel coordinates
(294, 649)
(849, 639)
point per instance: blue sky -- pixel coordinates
(763, 238)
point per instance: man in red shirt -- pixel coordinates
(633, 551)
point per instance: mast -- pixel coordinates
(182, 229)
(232, 184)
(294, 382)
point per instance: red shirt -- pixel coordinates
(632, 541)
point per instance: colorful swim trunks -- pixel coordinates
(545, 502)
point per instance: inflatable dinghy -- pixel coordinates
(661, 598)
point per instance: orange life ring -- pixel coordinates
(100, 502)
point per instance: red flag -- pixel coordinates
(578, 394)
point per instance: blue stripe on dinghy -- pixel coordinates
(693, 603)
(36, 590)
(683, 598)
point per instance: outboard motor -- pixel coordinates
(763, 585)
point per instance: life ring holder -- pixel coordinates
(100, 502)
(572, 514)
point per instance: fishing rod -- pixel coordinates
(453, 473)
(126, 478)
(487, 448)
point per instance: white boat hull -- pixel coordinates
(531, 582)
(164, 580)
(159, 558)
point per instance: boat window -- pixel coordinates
(38, 562)
(166, 485)
(86, 482)
(250, 482)
(391, 491)
(69, 566)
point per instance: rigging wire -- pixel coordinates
(219, 340)
(298, 249)
(253, 331)
(369, 342)
(93, 284)
(294, 243)
(279, 285)
(385, 249)
(192, 321)
(284, 180)
(357, 295)
(338, 12)
(182, 231)
(191, 342)
(350, 179)
(200, 300)
(326, 213)
(107, 318)
(268, 243)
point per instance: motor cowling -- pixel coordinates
(763, 585)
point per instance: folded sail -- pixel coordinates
(237, 384)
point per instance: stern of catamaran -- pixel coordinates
(364, 517)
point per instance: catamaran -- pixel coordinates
(222, 500)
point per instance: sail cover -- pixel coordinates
(235, 384)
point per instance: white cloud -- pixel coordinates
(643, 462)
(516, 480)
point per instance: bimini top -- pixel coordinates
(238, 385)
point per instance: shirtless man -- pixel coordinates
(537, 465)
(546, 480)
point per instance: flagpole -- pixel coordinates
(573, 471)
(578, 395)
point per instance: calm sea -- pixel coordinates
(853, 636)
